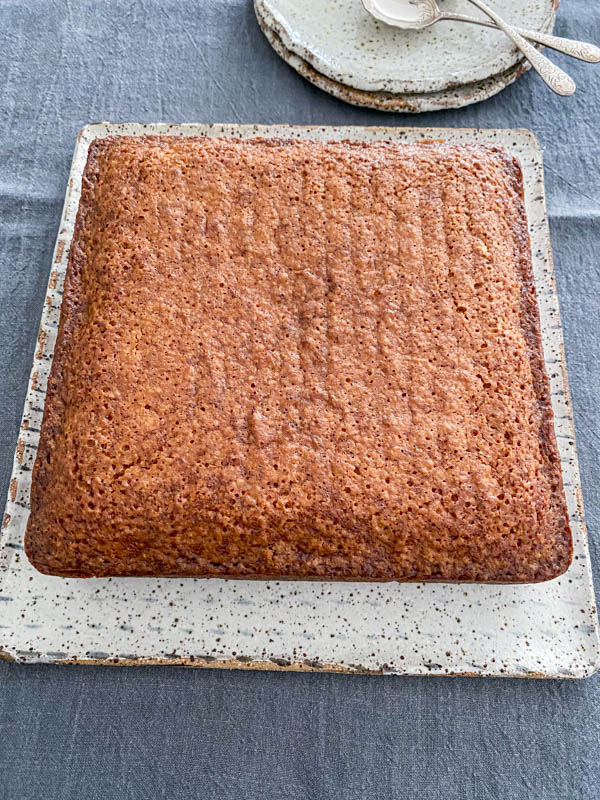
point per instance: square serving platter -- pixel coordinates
(542, 630)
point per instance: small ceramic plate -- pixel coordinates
(343, 42)
(548, 629)
(454, 97)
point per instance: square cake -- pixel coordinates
(301, 360)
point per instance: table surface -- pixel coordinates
(90, 732)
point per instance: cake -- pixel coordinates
(301, 360)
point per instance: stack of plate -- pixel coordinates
(340, 48)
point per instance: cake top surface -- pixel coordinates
(302, 359)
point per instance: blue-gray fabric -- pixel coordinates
(88, 732)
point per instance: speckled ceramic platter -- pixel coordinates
(548, 630)
(345, 43)
(407, 103)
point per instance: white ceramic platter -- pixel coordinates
(340, 40)
(548, 630)
(407, 103)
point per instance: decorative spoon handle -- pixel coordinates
(553, 76)
(584, 51)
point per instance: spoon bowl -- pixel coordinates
(410, 14)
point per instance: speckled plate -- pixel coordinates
(343, 42)
(407, 103)
(548, 630)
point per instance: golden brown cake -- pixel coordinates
(291, 359)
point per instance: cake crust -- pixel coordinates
(292, 359)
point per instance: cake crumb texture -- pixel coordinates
(303, 360)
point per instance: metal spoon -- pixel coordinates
(407, 15)
(419, 14)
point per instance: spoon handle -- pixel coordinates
(552, 75)
(584, 51)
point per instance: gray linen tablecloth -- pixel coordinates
(85, 732)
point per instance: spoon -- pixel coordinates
(406, 15)
(419, 14)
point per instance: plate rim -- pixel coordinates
(457, 97)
